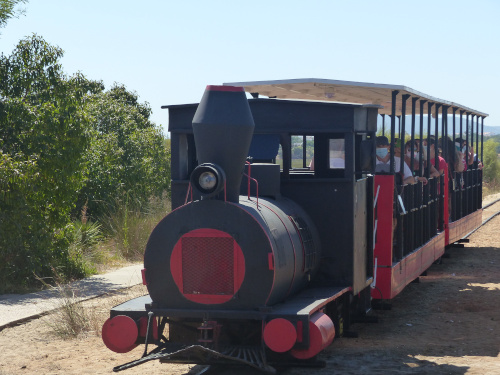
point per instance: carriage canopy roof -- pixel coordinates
(345, 92)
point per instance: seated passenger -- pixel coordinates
(453, 155)
(463, 149)
(433, 171)
(383, 161)
(442, 163)
(382, 153)
(416, 155)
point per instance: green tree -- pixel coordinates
(126, 155)
(491, 170)
(8, 10)
(42, 140)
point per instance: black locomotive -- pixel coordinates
(261, 261)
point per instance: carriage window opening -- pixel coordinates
(302, 150)
(337, 153)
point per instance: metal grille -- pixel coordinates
(208, 265)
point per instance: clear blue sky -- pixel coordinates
(168, 51)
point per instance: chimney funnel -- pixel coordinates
(223, 128)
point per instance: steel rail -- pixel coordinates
(491, 203)
(487, 220)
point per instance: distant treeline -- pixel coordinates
(495, 138)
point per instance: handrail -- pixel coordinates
(190, 189)
(248, 184)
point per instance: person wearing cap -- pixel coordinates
(383, 160)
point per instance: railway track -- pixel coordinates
(489, 212)
(491, 203)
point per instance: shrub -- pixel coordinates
(42, 140)
(126, 155)
(491, 170)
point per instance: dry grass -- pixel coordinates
(127, 232)
(71, 318)
(130, 227)
(490, 188)
(74, 318)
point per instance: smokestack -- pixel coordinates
(223, 128)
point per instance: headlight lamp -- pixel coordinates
(208, 179)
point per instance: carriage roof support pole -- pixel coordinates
(436, 126)
(477, 140)
(453, 138)
(471, 146)
(454, 109)
(399, 126)
(442, 181)
(421, 161)
(404, 98)
(429, 111)
(481, 160)
(461, 130)
(482, 140)
(413, 114)
(467, 114)
(444, 132)
(393, 126)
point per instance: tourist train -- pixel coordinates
(284, 229)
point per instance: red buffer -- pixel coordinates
(321, 334)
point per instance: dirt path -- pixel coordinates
(449, 323)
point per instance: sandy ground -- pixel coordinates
(449, 323)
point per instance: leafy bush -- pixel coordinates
(126, 155)
(491, 170)
(41, 146)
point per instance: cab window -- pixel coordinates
(336, 153)
(302, 147)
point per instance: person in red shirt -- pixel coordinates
(443, 165)
(434, 172)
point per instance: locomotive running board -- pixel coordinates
(197, 354)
